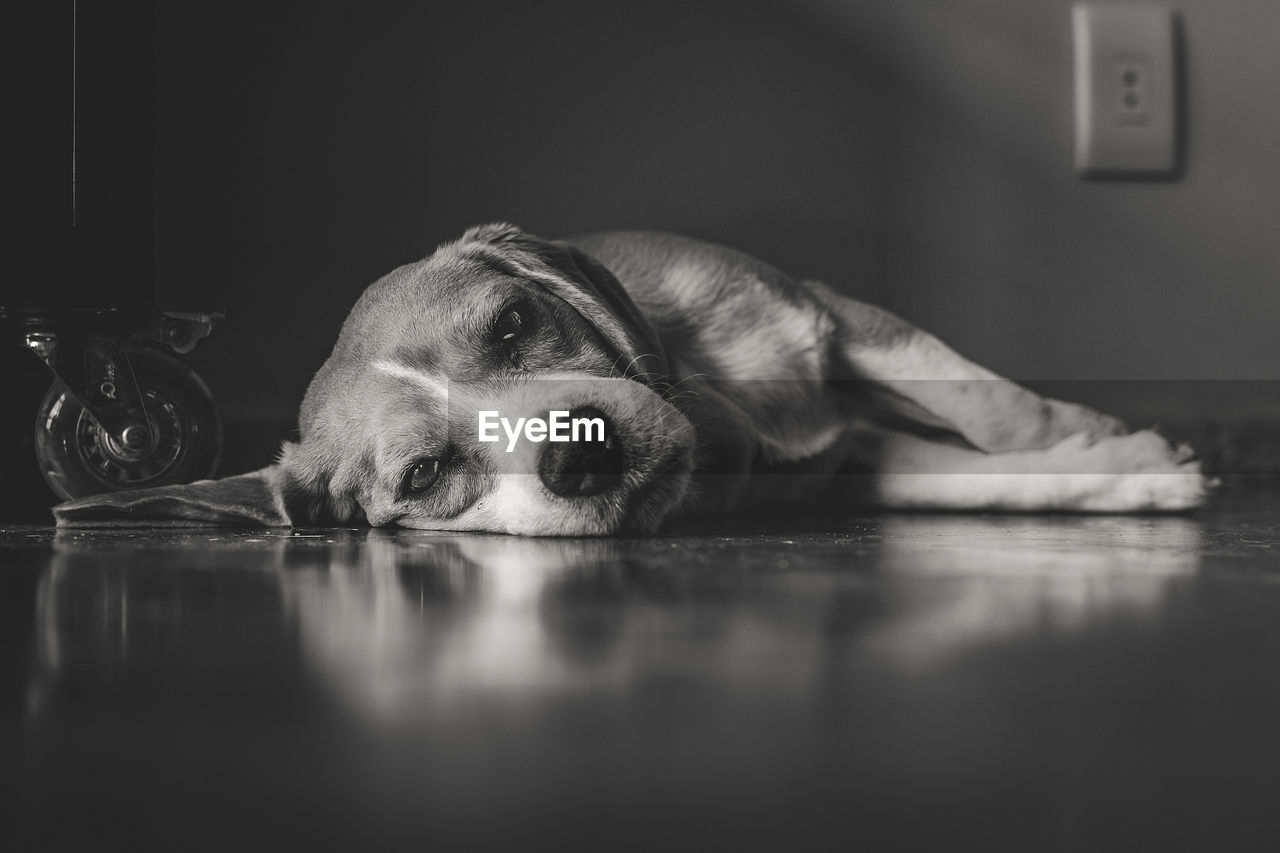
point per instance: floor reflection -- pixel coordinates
(1004, 581)
(400, 621)
(402, 624)
(402, 685)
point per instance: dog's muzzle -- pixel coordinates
(583, 469)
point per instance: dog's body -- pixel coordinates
(721, 384)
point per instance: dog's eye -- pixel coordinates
(420, 476)
(512, 325)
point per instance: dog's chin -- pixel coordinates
(657, 497)
(650, 504)
(637, 511)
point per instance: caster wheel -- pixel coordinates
(181, 441)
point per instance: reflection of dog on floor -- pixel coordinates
(704, 380)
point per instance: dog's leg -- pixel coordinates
(1130, 473)
(991, 412)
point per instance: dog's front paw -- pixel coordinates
(1138, 472)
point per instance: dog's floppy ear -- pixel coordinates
(590, 288)
(605, 291)
(288, 494)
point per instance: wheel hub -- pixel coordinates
(135, 437)
(140, 453)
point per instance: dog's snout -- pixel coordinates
(582, 468)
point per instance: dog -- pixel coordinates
(706, 381)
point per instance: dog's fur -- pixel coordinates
(727, 383)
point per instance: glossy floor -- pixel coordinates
(885, 682)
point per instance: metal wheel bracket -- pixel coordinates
(98, 375)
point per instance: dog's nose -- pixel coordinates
(580, 469)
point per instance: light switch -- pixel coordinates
(1125, 90)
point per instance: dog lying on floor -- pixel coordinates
(704, 379)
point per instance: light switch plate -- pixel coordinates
(1126, 95)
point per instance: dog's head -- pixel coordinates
(505, 383)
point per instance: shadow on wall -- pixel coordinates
(909, 152)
